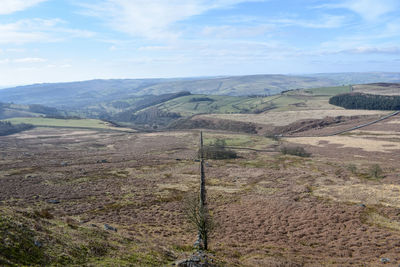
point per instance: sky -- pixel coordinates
(70, 40)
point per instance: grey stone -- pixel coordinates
(109, 228)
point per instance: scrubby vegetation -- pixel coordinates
(295, 151)
(199, 99)
(217, 150)
(18, 245)
(375, 171)
(27, 238)
(7, 128)
(226, 125)
(366, 101)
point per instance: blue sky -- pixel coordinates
(68, 40)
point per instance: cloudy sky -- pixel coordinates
(67, 40)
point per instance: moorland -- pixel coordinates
(105, 183)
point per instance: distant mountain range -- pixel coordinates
(86, 93)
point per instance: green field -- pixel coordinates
(328, 91)
(316, 98)
(69, 123)
(217, 104)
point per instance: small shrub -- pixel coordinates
(273, 136)
(98, 249)
(295, 151)
(44, 213)
(217, 150)
(352, 168)
(375, 171)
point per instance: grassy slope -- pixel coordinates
(69, 123)
(35, 238)
(220, 104)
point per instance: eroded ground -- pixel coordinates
(270, 209)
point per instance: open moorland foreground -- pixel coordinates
(59, 187)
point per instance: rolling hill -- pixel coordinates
(79, 94)
(86, 93)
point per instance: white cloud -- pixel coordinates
(38, 30)
(373, 50)
(368, 9)
(11, 6)
(325, 22)
(153, 19)
(29, 60)
(229, 31)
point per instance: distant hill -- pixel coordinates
(80, 94)
(73, 95)
(346, 78)
(8, 110)
(378, 88)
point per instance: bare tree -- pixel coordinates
(200, 218)
(196, 207)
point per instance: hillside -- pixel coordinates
(378, 88)
(86, 93)
(8, 110)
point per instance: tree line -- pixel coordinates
(366, 101)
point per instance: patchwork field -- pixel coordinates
(270, 209)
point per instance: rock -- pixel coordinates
(362, 205)
(109, 228)
(53, 201)
(385, 260)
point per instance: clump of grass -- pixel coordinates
(17, 244)
(44, 213)
(295, 151)
(352, 168)
(375, 171)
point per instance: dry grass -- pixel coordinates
(365, 144)
(287, 117)
(384, 194)
(376, 89)
(381, 221)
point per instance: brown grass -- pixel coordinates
(365, 144)
(383, 194)
(283, 118)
